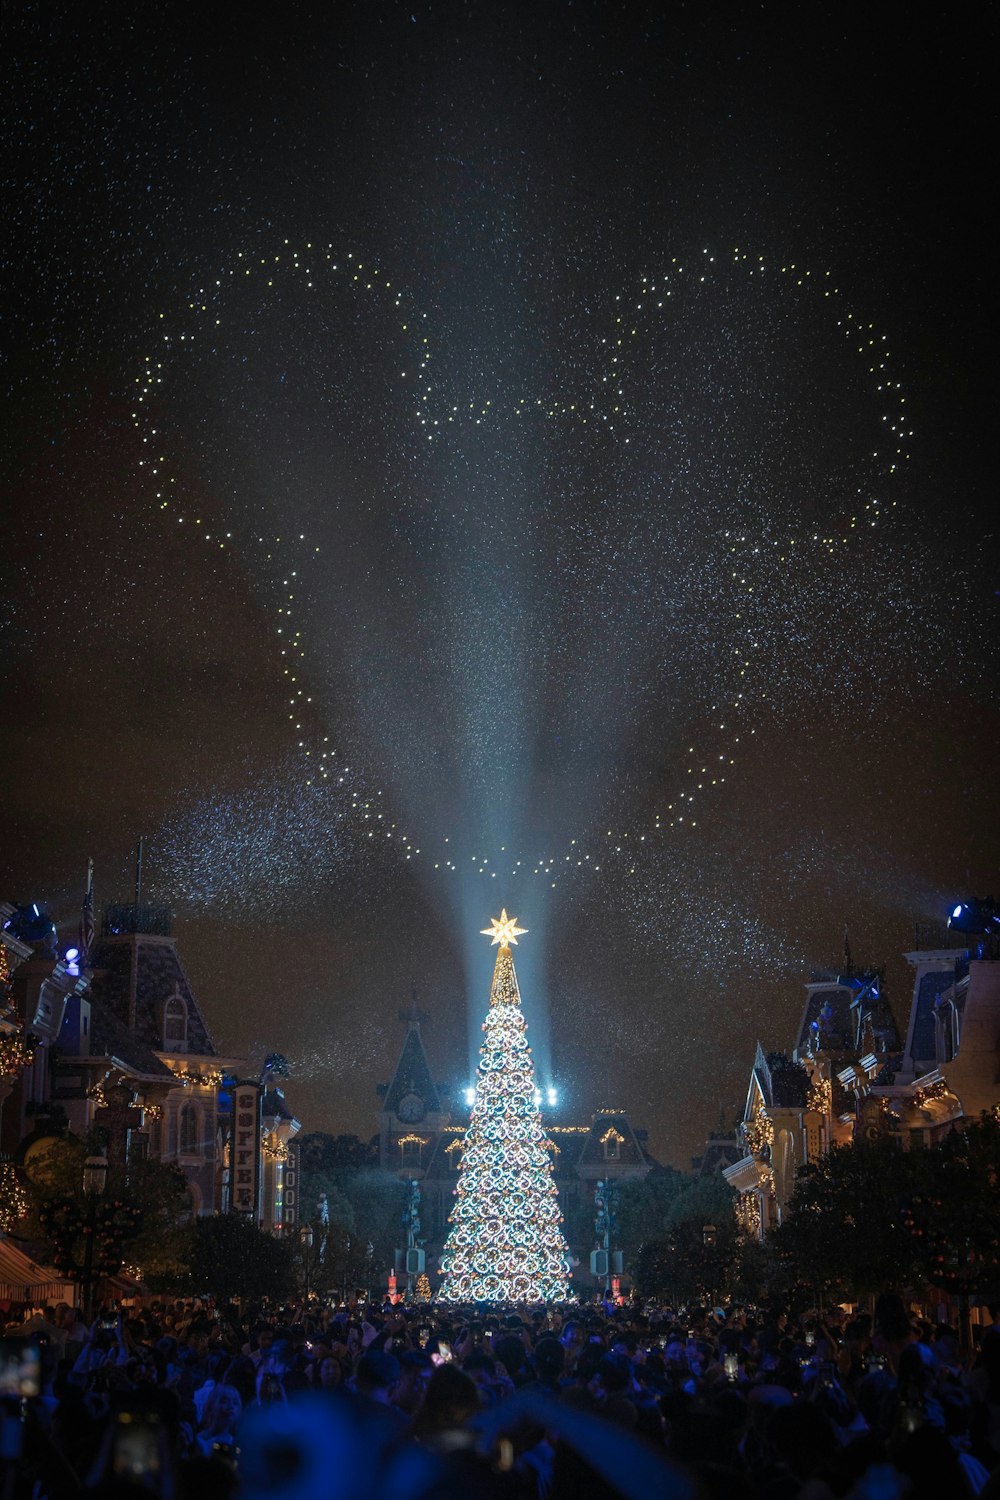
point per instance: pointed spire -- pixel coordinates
(413, 1017)
(86, 938)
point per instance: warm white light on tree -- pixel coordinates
(505, 1243)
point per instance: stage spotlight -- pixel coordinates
(978, 918)
(553, 1098)
(470, 1097)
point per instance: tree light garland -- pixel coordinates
(505, 1244)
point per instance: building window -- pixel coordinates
(187, 1131)
(175, 1024)
(410, 1147)
(947, 1019)
(612, 1143)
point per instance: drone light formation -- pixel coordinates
(610, 405)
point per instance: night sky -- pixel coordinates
(464, 455)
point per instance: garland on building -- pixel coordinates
(16, 1050)
(747, 1210)
(758, 1132)
(820, 1098)
(505, 1243)
(13, 1198)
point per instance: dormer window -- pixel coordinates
(612, 1142)
(175, 1024)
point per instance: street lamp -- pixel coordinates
(95, 1178)
(708, 1233)
(95, 1174)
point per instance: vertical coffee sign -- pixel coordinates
(246, 1149)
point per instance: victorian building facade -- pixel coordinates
(850, 1076)
(119, 1046)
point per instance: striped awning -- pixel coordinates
(23, 1280)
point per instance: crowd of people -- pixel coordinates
(422, 1402)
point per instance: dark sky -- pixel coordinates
(663, 272)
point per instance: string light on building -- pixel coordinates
(758, 1132)
(820, 1096)
(16, 1053)
(747, 1210)
(13, 1198)
(505, 1244)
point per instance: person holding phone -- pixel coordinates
(220, 1419)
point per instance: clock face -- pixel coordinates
(411, 1108)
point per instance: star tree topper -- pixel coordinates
(504, 930)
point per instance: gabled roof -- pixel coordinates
(109, 1037)
(782, 1084)
(134, 973)
(720, 1151)
(630, 1153)
(828, 1015)
(413, 1075)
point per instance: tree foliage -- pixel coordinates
(155, 1198)
(644, 1208)
(872, 1216)
(365, 1203)
(231, 1258)
(844, 1229)
(953, 1217)
(693, 1257)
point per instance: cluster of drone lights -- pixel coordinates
(317, 269)
(505, 1244)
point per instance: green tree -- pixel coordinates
(845, 1229)
(692, 1259)
(231, 1258)
(159, 1248)
(321, 1153)
(644, 1208)
(953, 1214)
(154, 1195)
(364, 1202)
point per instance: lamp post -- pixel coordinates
(606, 1263)
(87, 1229)
(709, 1238)
(95, 1177)
(306, 1240)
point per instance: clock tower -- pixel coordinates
(413, 1113)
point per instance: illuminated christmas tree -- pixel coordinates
(505, 1243)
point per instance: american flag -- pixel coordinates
(87, 918)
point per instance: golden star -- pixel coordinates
(504, 930)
